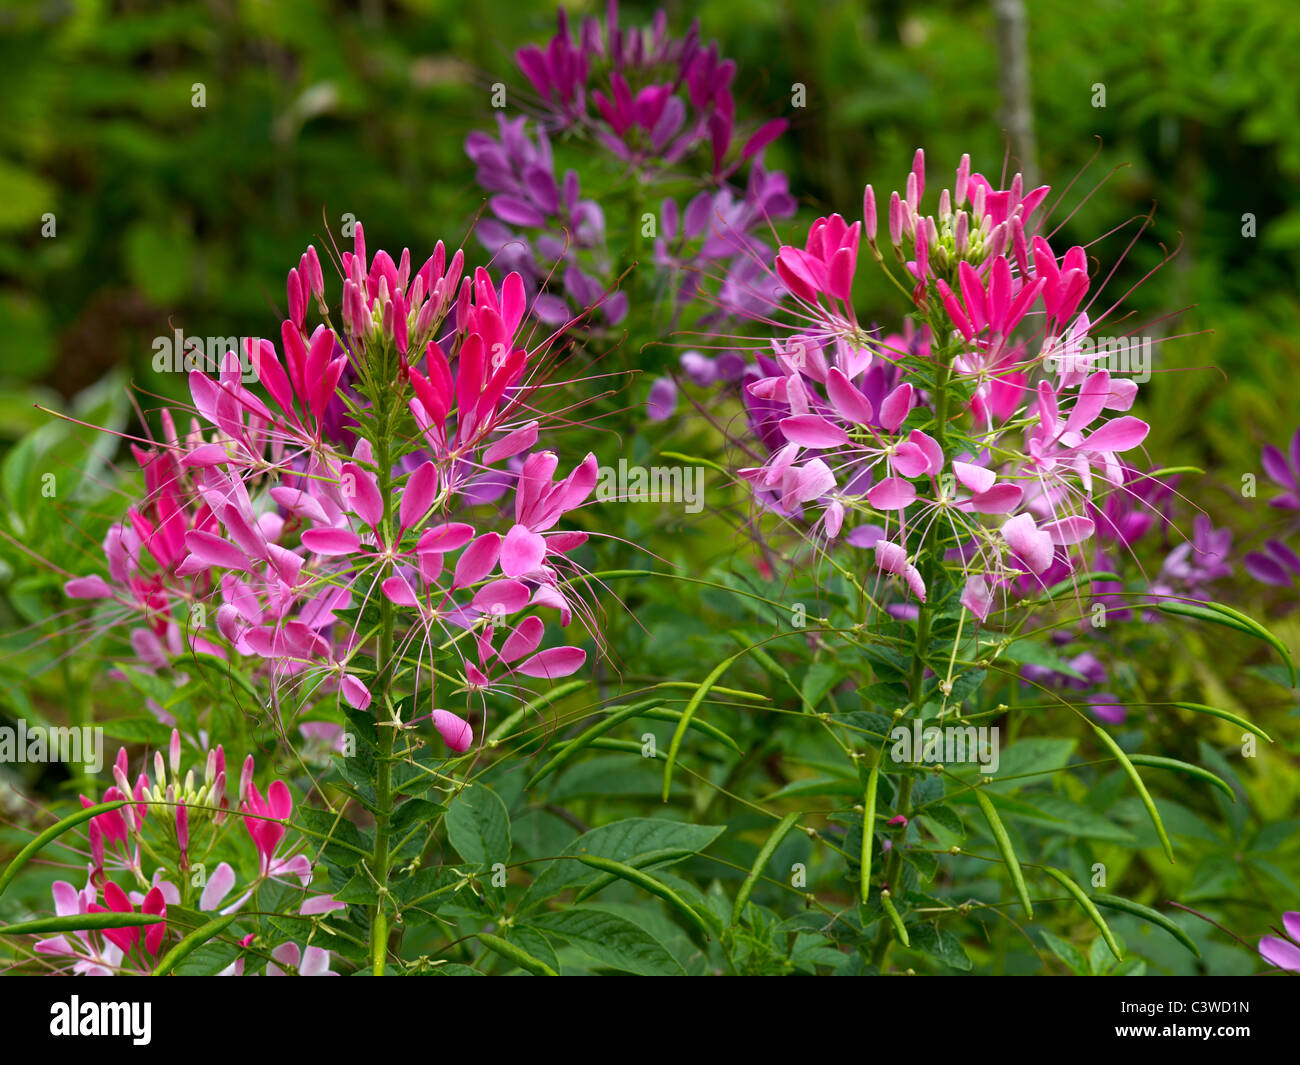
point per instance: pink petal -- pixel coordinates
(446, 537)
(893, 493)
(1280, 953)
(1000, 499)
(361, 494)
(810, 482)
(211, 550)
(356, 693)
(502, 597)
(417, 495)
(522, 551)
(847, 399)
(1120, 434)
(330, 542)
(315, 962)
(554, 662)
(524, 640)
(478, 560)
(977, 597)
(1027, 541)
(511, 444)
(1067, 531)
(976, 478)
(399, 591)
(454, 730)
(321, 904)
(893, 411)
(811, 430)
(217, 887)
(88, 588)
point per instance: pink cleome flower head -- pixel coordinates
(292, 539)
(1006, 471)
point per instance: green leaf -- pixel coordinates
(611, 940)
(1030, 762)
(416, 811)
(478, 826)
(818, 681)
(623, 841)
(207, 960)
(341, 839)
(1074, 961)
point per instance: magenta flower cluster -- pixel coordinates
(258, 520)
(660, 110)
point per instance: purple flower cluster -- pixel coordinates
(1279, 564)
(660, 109)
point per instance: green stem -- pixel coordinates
(927, 559)
(387, 729)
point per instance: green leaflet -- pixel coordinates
(478, 826)
(610, 939)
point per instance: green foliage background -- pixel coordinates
(171, 216)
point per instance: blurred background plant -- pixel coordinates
(158, 158)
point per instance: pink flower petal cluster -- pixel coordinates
(262, 521)
(1041, 437)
